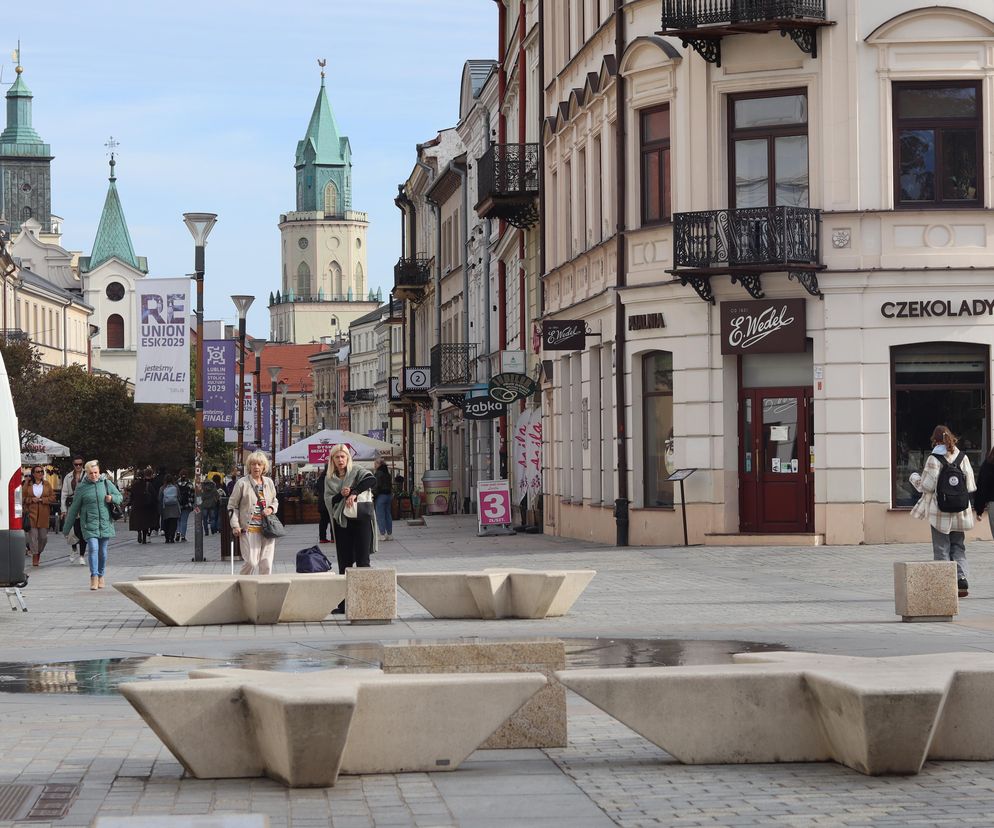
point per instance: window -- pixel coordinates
(303, 281)
(331, 199)
(657, 425)
(935, 383)
(595, 193)
(583, 235)
(335, 278)
(937, 144)
(654, 138)
(768, 156)
(115, 331)
(115, 291)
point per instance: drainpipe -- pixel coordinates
(65, 332)
(541, 160)
(622, 501)
(436, 406)
(461, 171)
(487, 426)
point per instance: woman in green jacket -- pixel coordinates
(91, 503)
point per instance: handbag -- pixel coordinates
(113, 509)
(363, 508)
(272, 526)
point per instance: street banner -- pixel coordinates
(519, 461)
(528, 455)
(493, 502)
(220, 398)
(318, 452)
(248, 432)
(163, 348)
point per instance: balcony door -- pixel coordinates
(768, 149)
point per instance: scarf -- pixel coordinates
(333, 485)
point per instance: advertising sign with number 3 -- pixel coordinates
(494, 503)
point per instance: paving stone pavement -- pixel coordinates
(668, 605)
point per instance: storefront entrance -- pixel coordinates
(776, 486)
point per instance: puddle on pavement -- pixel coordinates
(100, 676)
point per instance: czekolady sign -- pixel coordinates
(927, 308)
(564, 334)
(507, 388)
(483, 408)
(764, 326)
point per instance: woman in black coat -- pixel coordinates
(144, 515)
(983, 498)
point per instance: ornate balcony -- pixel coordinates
(701, 24)
(746, 243)
(453, 364)
(508, 178)
(411, 277)
(360, 395)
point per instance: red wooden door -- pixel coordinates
(775, 477)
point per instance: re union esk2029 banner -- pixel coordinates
(163, 353)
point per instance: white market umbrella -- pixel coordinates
(41, 450)
(363, 447)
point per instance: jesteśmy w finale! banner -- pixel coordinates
(163, 352)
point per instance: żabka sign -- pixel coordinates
(764, 326)
(927, 308)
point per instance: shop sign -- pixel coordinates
(512, 362)
(929, 308)
(646, 321)
(508, 388)
(563, 334)
(417, 379)
(493, 503)
(483, 408)
(317, 453)
(764, 326)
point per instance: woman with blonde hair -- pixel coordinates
(91, 502)
(946, 484)
(252, 497)
(346, 485)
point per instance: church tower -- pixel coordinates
(324, 284)
(25, 162)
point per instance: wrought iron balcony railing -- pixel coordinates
(453, 363)
(411, 276)
(507, 184)
(360, 395)
(702, 23)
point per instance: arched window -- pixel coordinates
(657, 427)
(303, 280)
(331, 199)
(335, 281)
(115, 331)
(360, 289)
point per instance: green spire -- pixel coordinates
(20, 138)
(113, 239)
(322, 135)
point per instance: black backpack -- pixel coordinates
(950, 492)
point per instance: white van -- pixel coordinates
(11, 529)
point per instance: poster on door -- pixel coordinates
(493, 501)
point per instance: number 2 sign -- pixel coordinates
(493, 502)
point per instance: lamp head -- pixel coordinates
(258, 345)
(274, 372)
(242, 302)
(200, 226)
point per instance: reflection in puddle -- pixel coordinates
(100, 676)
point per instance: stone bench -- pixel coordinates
(303, 729)
(496, 593)
(240, 599)
(541, 721)
(875, 715)
(926, 590)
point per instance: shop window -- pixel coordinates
(933, 383)
(657, 420)
(115, 331)
(654, 139)
(937, 144)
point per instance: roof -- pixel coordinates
(479, 70)
(19, 130)
(31, 278)
(295, 362)
(372, 316)
(327, 146)
(113, 240)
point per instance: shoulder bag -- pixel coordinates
(272, 526)
(113, 509)
(363, 508)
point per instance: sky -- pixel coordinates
(208, 100)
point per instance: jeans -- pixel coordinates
(384, 516)
(97, 555)
(951, 547)
(184, 519)
(209, 518)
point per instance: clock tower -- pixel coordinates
(324, 284)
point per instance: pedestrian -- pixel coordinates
(983, 498)
(355, 538)
(946, 484)
(69, 484)
(144, 514)
(324, 517)
(384, 500)
(215, 477)
(233, 478)
(169, 508)
(186, 503)
(37, 498)
(91, 503)
(52, 476)
(253, 496)
(209, 503)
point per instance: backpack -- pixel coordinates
(170, 496)
(186, 496)
(312, 559)
(950, 491)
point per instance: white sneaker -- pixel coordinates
(389, 537)
(383, 537)
(82, 559)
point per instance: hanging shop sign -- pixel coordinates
(417, 379)
(929, 308)
(764, 326)
(508, 388)
(483, 408)
(512, 362)
(563, 334)
(646, 321)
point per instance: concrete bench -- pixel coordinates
(926, 590)
(541, 721)
(877, 716)
(241, 599)
(303, 729)
(496, 593)
(185, 821)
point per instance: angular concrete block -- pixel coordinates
(370, 595)
(187, 602)
(443, 594)
(925, 590)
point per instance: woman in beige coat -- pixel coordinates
(252, 497)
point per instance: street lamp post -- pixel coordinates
(242, 303)
(284, 440)
(200, 226)
(257, 347)
(274, 372)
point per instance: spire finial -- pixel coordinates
(111, 146)
(322, 62)
(16, 56)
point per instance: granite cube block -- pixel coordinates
(370, 595)
(925, 590)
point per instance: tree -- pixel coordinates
(163, 436)
(216, 451)
(23, 364)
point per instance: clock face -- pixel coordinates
(25, 187)
(302, 244)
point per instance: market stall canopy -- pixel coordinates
(314, 449)
(41, 450)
